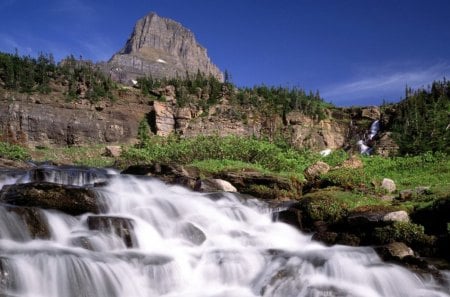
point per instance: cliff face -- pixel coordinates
(36, 120)
(33, 121)
(161, 47)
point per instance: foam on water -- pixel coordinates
(187, 244)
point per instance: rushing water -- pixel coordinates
(177, 243)
(364, 144)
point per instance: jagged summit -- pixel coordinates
(161, 47)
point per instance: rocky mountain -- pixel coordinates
(160, 47)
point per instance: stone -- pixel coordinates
(261, 185)
(314, 171)
(34, 222)
(71, 200)
(113, 151)
(192, 233)
(50, 124)
(289, 215)
(396, 216)
(163, 114)
(161, 48)
(394, 250)
(215, 185)
(121, 227)
(372, 112)
(388, 185)
(406, 194)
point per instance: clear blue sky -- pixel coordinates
(355, 52)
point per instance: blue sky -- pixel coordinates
(355, 52)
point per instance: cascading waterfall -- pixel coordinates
(364, 144)
(158, 240)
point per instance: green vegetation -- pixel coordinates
(86, 156)
(245, 152)
(205, 91)
(13, 152)
(409, 233)
(421, 121)
(77, 78)
(429, 169)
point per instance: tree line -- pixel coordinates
(34, 75)
(206, 90)
(421, 122)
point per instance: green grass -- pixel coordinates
(13, 152)
(411, 171)
(408, 172)
(227, 151)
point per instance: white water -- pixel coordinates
(364, 144)
(189, 244)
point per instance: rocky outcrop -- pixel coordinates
(160, 47)
(51, 123)
(117, 226)
(68, 199)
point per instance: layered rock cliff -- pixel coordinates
(160, 47)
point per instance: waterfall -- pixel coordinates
(365, 144)
(153, 239)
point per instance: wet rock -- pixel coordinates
(121, 227)
(7, 281)
(35, 222)
(394, 250)
(290, 216)
(68, 175)
(170, 173)
(192, 233)
(72, 200)
(328, 238)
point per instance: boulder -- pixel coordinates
(376, 214)
(396, 216)
(314, 171)
(72, 200)
(290, 215)
(388, 185)
(261, 185)
(113, 151)
(121, 227)
(32, 218)
(170, 173)
(372, 113)
(214, 185)
(192, 233)
(394, 250)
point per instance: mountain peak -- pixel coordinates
(161, 47)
